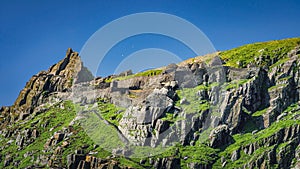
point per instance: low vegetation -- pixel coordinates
(55, 119)
(242, 140)
(235, 84)
(110, 112)
(147, 73)
(190, 102)
(266, 52)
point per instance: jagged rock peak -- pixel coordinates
(59, 78)
(67, 67)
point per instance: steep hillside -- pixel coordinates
(233, 109)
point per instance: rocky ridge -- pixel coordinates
(242, 115)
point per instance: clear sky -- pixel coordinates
(35, 34)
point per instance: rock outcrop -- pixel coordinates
(59, 78)
(220, 136)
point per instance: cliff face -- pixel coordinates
(234, 109)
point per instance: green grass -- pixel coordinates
(241, 56)
(110, 112)
(245, 158)
(169, 117)
(235, 84)
(89, 132)
(105, 135)
(80, 139)
(200, 154)
(57, 118)
(260, 112)
(292, 108)
(128, 163)
(281, 146)
(285, 78)
(193, 105)
(204, 136)
(246, 139)
(246, 110)
(277, 87)
(147, 73)
(281, 61)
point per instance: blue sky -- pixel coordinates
(35, 34)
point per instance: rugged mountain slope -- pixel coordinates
(233, 109)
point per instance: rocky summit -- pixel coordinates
(231, 109)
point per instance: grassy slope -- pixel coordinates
(55, 116)
(58, 118)
(241, 56)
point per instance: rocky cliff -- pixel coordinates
(234, 109)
